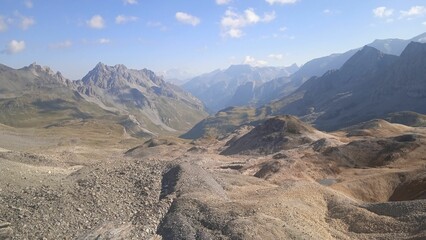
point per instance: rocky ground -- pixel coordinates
(79, 182)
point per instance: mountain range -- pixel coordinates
(235, 85)
(383, 77)
(371, 84)
(137, 99)
(256, 89)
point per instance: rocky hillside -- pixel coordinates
(35, 96)
(140, 101)
(150, 102)
(273, 135)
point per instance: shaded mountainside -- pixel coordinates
(369, 85)
(281, 87)
(235, 85)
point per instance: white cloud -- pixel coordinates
(104, 41)
(415, 11)
(254, 62)
(269, 17)
(14, 46)
(96, 22)
(122, 19)
(281, 1)
(233, 22)
(24, 21)
(3, 24)
(382, 12)
(327, 11)
(424, 23)
(276, 56)
(282, 29)
(187, 18)
(222, 2)
(64, 44)
(29, 4)
(130, 2)
(234, 33)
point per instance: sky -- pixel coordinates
(197, 36)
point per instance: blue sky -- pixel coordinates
(199, 35)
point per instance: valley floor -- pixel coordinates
(89, 180)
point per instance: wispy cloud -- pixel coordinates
(3, 24)
(96, 22)
(130, 2)
(29, 4)
(275, 56)
(14, 46)
(222, 2)
(331, 12)
(415, 11)
(24, 22)
(61, 45)
(18, 20)
(281, 1)
(232, 22)
(158, 25)
(187, 18)
(383, 12)
(104, 41)
(254, 62)
(122, 19)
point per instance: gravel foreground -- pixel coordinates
(180, 190)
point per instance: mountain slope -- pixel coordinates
(147, 99)
(35, 96)
(369, 85)
(232, 83)
(281, 87)
(274, 135)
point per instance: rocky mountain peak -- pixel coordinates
(119, 76)
(35, 68)
(237, 70)
(367, 59)
(414, 49)
(43, 71)
(410, 73)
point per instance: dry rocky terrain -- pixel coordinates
(279, 180)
